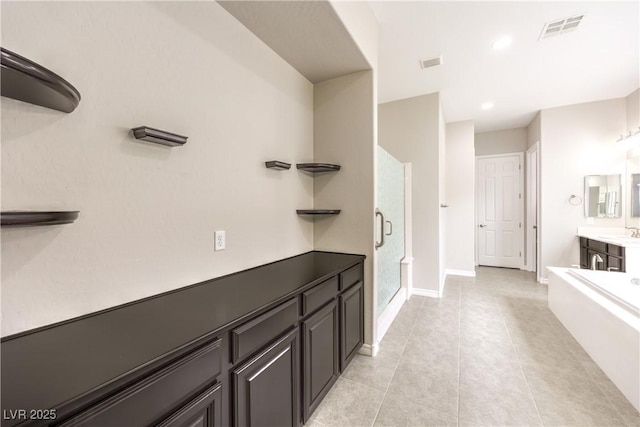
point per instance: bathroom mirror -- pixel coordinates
(603, 196)
(633, 191)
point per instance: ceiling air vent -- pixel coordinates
(560, 26)
(432, 62)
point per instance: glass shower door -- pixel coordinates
(390, 226)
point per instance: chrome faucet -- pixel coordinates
(595, 259)
(635, 231)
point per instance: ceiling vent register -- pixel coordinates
(431, 62)
(560, 26)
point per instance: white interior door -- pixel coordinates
(499, 211)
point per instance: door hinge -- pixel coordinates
(519, 167)
(519, 225)
(520, 254)
(520, 196)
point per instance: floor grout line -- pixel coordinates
(524, 375)
(413, 325)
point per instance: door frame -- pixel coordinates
(533, 244)
(521, 200)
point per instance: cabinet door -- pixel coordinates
(615, 264)
(351, 323)
(584, 255)
(320, 347)
(266, 388)
(203, 411)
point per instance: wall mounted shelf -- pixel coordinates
(277, 165)
(318, 211)
(157, 136)
(37, 218)
(318, 167)
(27, 81)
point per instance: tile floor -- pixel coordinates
(490, 353)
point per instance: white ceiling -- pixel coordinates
(599, 60)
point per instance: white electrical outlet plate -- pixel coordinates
(221, 241)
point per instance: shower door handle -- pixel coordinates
(382, 221)
(390, 228)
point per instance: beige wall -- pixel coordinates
(409, 130)
(344, 129)
(577, 140)
(460, 179)
(633, 111)
(501, 142)
(147, 212)
(533, 131)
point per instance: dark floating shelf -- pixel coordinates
(318, 167)
(27, 81)
(157, 136)
(37, 218)
(318, 211)
(277, 165)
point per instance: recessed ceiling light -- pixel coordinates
(487, 106)
(501, 43)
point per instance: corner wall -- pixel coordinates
(409, 129)
(460, 180)
(344, 134)
(147, 212)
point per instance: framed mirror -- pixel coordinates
(603, 196)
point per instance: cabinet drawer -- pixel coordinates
(350, 277)
(597, 245)
(151, 398)
(319, 295)
(254, 334)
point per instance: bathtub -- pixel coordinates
(602, 312)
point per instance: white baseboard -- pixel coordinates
(544, 280)
(425, 293)
(369, 350)
(385, 319)
(466, 273)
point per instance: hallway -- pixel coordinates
(489, 353)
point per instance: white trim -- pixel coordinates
(369, 350)
(466, 273)
(529, 265)
(425, 293)
(385, 319)
(543, 280)
(406, 275)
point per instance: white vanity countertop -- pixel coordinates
(616, 236)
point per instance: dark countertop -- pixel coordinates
(53, 365)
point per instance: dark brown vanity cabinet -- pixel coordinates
(267, 386)
(601, 255)
(257, 348)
